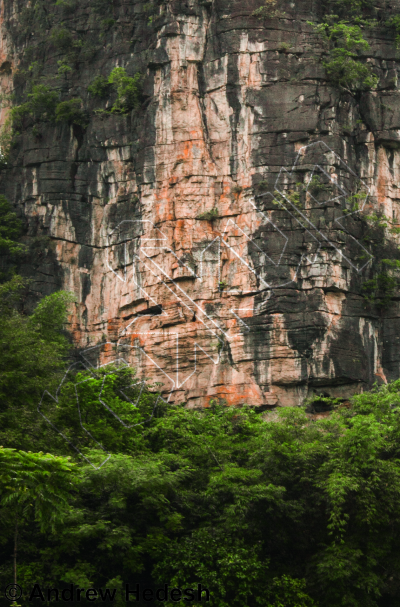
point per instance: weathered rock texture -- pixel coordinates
(261, 305)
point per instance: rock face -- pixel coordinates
(211, 236)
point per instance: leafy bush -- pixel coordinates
(63, 67)
(100, 87)
(343, 68)
(394, 24)
(10, 248)
(71, 111)
(128, 90)
(42, 101)
(10, 229)
(6, 138)
(102, 7)
(68, 6)
(345, 71)
(41, 105)
(209, 215)
(268, 11)
(107, 23)
(61, 37)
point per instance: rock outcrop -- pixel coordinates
(211, 236)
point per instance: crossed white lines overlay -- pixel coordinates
(85, 366)
(144, 252)
(140, 256)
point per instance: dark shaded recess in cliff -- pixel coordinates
(86, 285)
(257, 345)
(391, 346)
(202, 91)
(232, 95)
(143, 146)
(352, 359)
(128, 208)
(184, 7)
(40, 266)
(79, 210)
(85, 257)
(305, 325)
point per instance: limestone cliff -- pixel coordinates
(177, 224)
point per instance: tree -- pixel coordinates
(32, 354)
(33, 482)
(277, 511)
(10, 230)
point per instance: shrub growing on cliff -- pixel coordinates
(6, 138)
(67, 6)
(394, 24)
(128, 90)
(100, 87)
(268, 10)
(62, 38)
(10, 229)
(209, 215)
(71, 111)
(343, 67)
(41, 105)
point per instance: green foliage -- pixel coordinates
(42, 102)
(262, 185)
(280, 513)
(345, 71)
(380, 221)
(285, 591)
(343, 67)
(128, 90)
(394, 24)
(67, 6)
(107, 23)
(6, 139)
(284, 47)
(71, 111)
(358, 10)
(209, 215)
(10, 229)
(316, 185)
(102, 7)
(102, 395)
(63, 67)
(100, 87)
(296, 197)
(37, 481)
(61, 38)
(41, 105)
(356, 201)
(32, 350)
(268, 10)
(380, 289)
(33, 486)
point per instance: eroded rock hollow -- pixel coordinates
(215, 236)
